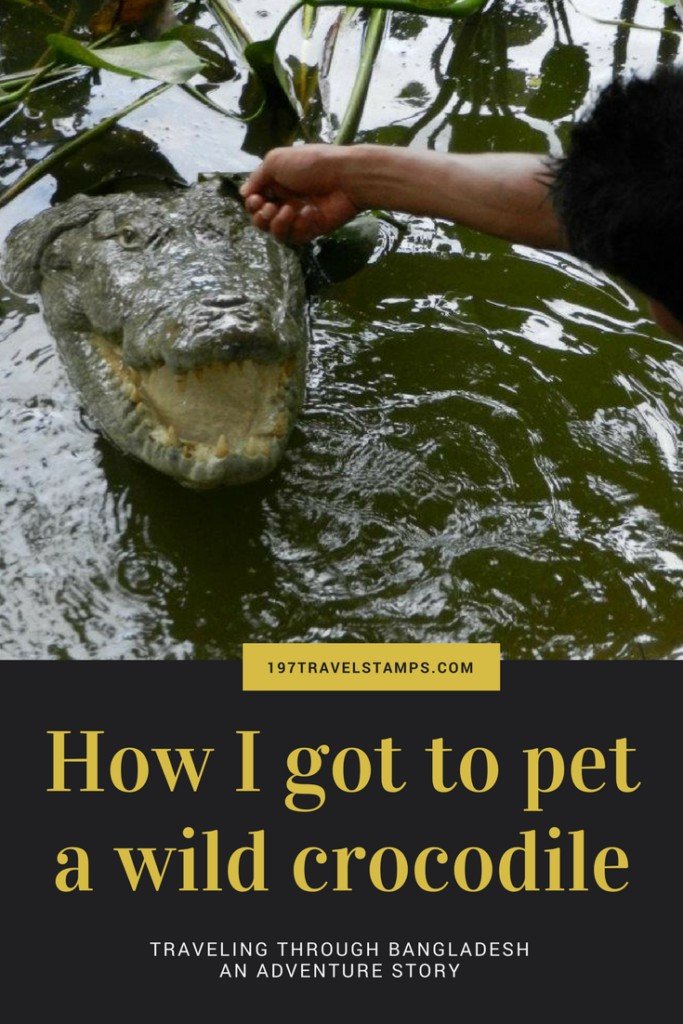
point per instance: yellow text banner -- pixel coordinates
(366, 667)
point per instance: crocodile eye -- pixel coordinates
(129, 238)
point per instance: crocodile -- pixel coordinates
(183, 329)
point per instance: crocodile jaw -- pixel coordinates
(220, 424)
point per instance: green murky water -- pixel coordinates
(491, 446)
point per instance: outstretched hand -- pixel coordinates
(298, 193)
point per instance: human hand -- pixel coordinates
(300, 192)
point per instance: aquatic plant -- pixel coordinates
(181, 53)
(186, 50)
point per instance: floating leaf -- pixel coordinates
(168, 61)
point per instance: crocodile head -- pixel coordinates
(183, 328)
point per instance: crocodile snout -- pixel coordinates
(200, 334)
(183, 328)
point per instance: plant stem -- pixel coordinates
(458, 9)
(191, 90)
(306, 76)
(354, 108)
(40, 169)
(308, 21)
(66, 28)
(50, 70)
(17, 96)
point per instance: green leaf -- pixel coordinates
(170, 61)
(263, 60)
(205, 44)
(441, 5)
(260, 56)
(340, 255)
(190, 34)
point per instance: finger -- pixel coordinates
(310, 219)
(282, 221)
(259, 221)
(254, 203)
(265, 176)
(305, 226)
(268, 211)
(257, 181)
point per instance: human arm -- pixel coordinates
(305, 191)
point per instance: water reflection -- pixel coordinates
(201, 556)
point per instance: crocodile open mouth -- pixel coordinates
(225, 422)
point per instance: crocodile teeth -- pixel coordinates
(130, 390)
(205, 416)
(280, 428)
(255, 448)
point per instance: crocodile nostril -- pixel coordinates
(225, 302)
